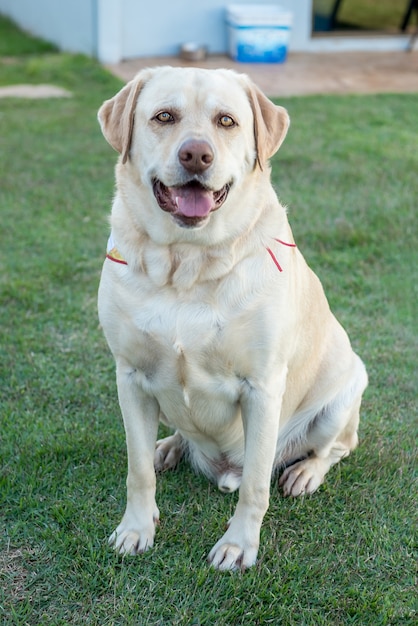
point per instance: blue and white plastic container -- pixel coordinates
(258, 33)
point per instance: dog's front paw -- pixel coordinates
(133, 536)
(233, 553)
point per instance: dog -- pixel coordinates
(217, 325)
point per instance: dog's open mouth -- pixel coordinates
(189, 204)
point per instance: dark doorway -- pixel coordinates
(365, 16)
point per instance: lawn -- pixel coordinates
(348, 172)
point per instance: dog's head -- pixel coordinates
(192, 136)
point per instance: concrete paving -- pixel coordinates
(314, 73)
(34, 92)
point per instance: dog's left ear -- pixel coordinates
(271, 123)
(116, 116)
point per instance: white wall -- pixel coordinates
(109, 32)
(68, 24)
(114, 30)
(121, 29)
(158, 28)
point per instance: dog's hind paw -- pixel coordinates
(168, 452)
(303, 477)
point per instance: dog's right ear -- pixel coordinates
(117, 115)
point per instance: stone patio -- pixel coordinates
(314, 73)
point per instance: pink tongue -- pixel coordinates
(192, 201)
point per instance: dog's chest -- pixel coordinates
(194, 350)
(183, 356)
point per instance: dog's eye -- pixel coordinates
(164, 117)
(226, 121)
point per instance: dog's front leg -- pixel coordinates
(135, 533)
(238, 548)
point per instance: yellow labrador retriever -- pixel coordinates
(217, 325)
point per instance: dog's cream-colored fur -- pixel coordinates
(245, 362)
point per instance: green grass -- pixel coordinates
(15, 42)
(346, 555)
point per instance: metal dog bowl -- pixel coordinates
(193, 52)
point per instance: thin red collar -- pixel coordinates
(113, 254)
(271, 253)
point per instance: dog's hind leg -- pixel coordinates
(330, 437)
(168, 452)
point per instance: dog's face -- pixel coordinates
(193, 136)
(193, 140)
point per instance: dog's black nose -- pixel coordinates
(195, 156)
